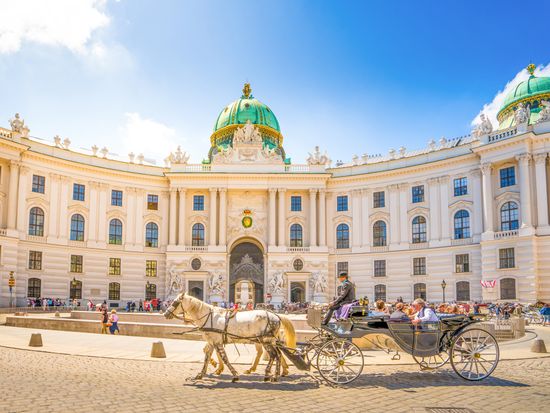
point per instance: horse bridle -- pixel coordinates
(175, 304)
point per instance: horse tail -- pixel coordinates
(289, 332)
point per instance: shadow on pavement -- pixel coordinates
(254, 381)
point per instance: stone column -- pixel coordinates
(165, 213)
(102, 214)
(172, 212)
(394, 214)
(525, 189)
(12, 197)
(272, 216)
(403, 217)
(54, 200)
(63, 205)
(542, 195)
(444, 198)
(356, 220)
(223, 216)
(139, 227)
(282, 218)
(182, 222)
(487, 184)
(92, 225)
(365, 225)
(213, 216)
(313, 217)
(322, 218)
(22, 199)
(435, 215)
(130, 217)
(477, 219)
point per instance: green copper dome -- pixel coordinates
(529, 92)
(247, 108)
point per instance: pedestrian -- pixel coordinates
(545, 313)
(104, 321)
(113, 319)
(140, 305)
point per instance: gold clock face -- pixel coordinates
(247, 222)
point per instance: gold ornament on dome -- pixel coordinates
(247, 219)
(531, 68)
(247, 90)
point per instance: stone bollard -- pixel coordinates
(57, 314)
(538, 346)
(157, 351)
(36, 340)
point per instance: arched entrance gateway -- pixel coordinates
(246, 273)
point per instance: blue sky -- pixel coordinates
(351, 76)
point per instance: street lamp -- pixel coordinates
(11, 284)
(443, 286)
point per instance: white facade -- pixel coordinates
(456, 175)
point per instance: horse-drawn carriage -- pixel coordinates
(472, 351)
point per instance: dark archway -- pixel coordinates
(247, 264)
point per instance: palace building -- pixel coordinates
(464, 218)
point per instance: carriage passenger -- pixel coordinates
(380, 309)
(399, 316)
(423, 312)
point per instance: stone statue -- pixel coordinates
(270, 153)
(276, 283)
(544, 114)
(522, 114)
(216, 284)
(224, 155)
(247, 134)
(18, 125)
(316, 158)
(104, 151)
(57, 141)
(179, 157)
(175, 282)
(319, 282)
(66, 143)
(483, 128)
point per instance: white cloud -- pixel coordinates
(491, 109)
(63, 23)
(140, 135)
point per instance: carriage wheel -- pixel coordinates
(340, 361)
(432, 362)
(474, 354)
(313, 348)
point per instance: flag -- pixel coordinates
(488, 283)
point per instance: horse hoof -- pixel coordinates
(198, 377)
(249, 371)
(274, 380)
(266, 378)
(218, 372)
(234, 379)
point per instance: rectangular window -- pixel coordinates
(342, 203)
(507, 177)
(461, 186)
(462, 263)
(114, 266)
(419, 266)
(341, 267)
(38, 184)
(198, 202)
(116, 198)
(35, 260)
(151, 268)
(378, 199)
(114, 291)
(296, 203)
(506, 258)
(153, 202)
(78, 192)
(76, 263)
(379, 268)
(418, 194)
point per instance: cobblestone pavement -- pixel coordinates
(34, 381)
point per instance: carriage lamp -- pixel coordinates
(443, 286)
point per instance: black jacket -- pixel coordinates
(346, 294)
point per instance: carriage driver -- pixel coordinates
(346, 295)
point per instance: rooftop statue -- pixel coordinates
(544, 114)
(316, 158)
(177, 158)
(522, 114)
(483, 128)
(247, 134)
(18, 125)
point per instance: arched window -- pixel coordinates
(342, 236)
(419, 291)
(509, 216)
(197, 236)
(463, 291)
(150, 291)
(75, 289)
(380, 292)
(296, 238)
(33, 287)
(418, 229)
(114, 291)
(115, 232)
(462, 224)
(379, 234)
(36, 222)
(508, 289)
(77, 227)
(151, 235)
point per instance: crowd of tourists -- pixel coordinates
(48, 303)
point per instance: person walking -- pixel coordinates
(545, 312)
(113, 319)
(104, 321)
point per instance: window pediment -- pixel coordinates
(379, 215)
(419, 210)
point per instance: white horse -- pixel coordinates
(219, 325)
